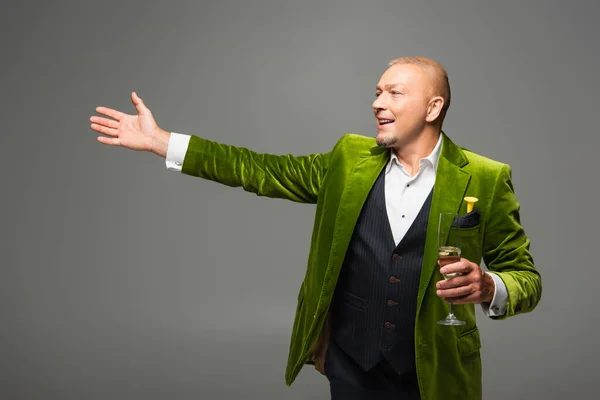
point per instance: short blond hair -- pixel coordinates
(440, 77)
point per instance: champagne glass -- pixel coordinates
(448, 253)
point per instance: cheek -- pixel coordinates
(415, 113)
(407, 109)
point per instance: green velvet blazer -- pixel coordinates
(447, 358)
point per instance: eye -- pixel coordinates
(396, 92)
(377, 94)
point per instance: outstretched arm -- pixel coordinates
(296, 178)
(289, 177)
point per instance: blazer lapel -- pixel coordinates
(450, 187)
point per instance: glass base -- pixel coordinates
(451, 320)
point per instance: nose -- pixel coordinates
(379, 103)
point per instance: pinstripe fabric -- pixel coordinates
(374, 306)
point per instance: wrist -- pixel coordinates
(489, 288)
(160, 142)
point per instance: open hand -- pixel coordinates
(137, 132)
(470, 285)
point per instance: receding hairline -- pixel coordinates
(440, 75)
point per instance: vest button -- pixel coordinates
(391, 303)
(393, 279)
(389, 325)
(396, 257)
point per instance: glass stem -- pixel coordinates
(451, 309)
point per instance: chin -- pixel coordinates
(384, 140)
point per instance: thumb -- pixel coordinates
(139, 104)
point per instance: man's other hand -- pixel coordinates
(470, 285)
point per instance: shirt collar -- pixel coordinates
(433, 158)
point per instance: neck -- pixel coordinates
(409, 154)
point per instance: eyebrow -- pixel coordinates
(388, 86)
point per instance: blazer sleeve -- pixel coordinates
(296, 178)
(506, 249)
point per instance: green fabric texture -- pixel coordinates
(447, 358)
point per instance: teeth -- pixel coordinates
(385, 121)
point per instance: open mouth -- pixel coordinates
(384, 121)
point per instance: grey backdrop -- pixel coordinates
(122, 280)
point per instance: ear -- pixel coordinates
(434, 108)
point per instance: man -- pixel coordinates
(372, 296)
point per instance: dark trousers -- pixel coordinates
(348, 381)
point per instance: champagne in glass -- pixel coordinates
(448, 253)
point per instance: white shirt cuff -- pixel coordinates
(177, 147)
(498, 305)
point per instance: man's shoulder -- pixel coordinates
(355, 143)
(481, 162)
(357, 139)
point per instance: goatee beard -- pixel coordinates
(386, 142)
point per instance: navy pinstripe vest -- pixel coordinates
(374, 305)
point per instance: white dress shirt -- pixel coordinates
(404, 198)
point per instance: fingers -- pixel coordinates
(472, 298)
(457, 281)
(104, 130)
(109, 141)
(456, 291)
(139, 104)
(118, 115)
(462, 286)
(110, 123)
(463, 267)
(475, 287)
(473, 281)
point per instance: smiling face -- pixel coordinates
(406, 104)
